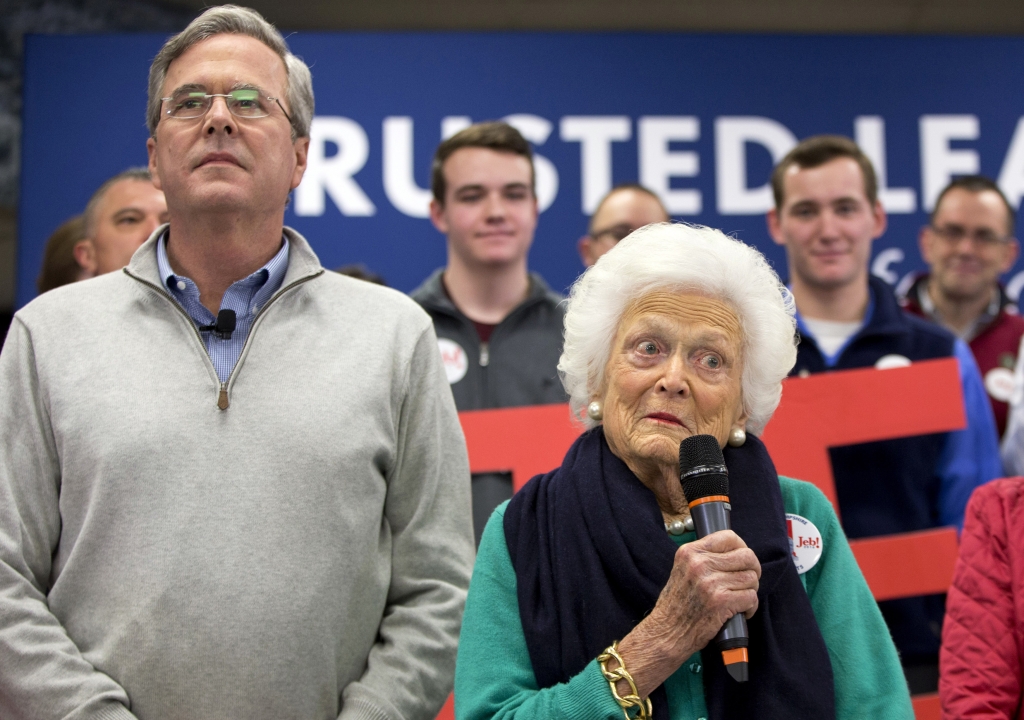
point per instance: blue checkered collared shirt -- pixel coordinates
(246, 297)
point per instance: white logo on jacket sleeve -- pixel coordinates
(999, 383)
(804, 542)
(454, 358)
(888, 362)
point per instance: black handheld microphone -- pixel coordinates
(224, 326)
(705, 482)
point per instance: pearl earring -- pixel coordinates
(595, 412)
(737, 436)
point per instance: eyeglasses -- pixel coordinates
(953, 234)
(244, 103)
(614, 233)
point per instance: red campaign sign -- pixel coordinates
(816, 413)
(856, 406)
(525, 441)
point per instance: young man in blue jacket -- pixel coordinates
(827, 214)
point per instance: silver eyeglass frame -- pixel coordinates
(209, 97)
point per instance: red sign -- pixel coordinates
(856, 406)
(525, 441)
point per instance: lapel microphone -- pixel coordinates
(224, 326)
(705, 481)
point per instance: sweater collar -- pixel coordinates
(302, 261)
(431, 294)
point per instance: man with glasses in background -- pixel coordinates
(624, 209)
(968, 245)
(231, 484)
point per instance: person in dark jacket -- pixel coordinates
(826, 215)
(499, 326)
(968, 244)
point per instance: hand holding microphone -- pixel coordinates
(712, 587)
(705, 481)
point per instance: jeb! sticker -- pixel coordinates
(804, 542)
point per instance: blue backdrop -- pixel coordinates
(699, 117)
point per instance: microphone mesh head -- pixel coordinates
(702, 451)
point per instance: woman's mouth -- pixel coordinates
(665, 418)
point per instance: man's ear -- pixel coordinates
(881, 220)
(924, 244)
(774, 226)
(85, 255)
(437, 216)
(301, 160)
(154, 173)
(1012, 251)
(586, 250)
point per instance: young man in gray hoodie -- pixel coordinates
(499, 326)
(231, 485)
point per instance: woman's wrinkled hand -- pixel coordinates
(712, 579)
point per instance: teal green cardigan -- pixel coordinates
(494, 676)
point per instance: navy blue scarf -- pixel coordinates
(591, 555)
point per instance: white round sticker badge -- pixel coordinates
(454, 358)
(888, 362)
(804, 542)
(999, 383)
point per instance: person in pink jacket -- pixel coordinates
(982, 656)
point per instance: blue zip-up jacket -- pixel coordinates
(911, 483)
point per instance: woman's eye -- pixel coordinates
(712, 362)
(648, 348)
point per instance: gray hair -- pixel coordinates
(684, 258)
(232, 19)
(140, 174)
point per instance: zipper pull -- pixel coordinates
(485, 354)
(222, 399)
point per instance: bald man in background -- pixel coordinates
(120, 216)
(623, 210)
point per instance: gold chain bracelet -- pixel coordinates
(620, 673)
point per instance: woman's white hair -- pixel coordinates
(687, 258)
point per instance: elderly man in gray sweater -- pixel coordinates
(231, 485)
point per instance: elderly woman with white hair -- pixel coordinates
(592, 596)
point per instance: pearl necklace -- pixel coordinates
(678, 527)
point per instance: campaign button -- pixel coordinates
(804, 542)
(999, 383)
(454, 358)
(888, 362)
